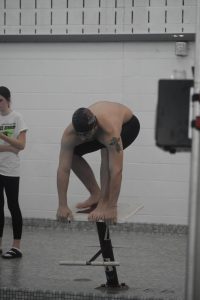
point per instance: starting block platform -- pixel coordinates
(125, 211)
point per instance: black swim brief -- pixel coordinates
(129, 133)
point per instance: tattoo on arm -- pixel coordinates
(116, 142)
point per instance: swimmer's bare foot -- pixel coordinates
(91, 201)
(87, 210)
(104, 212)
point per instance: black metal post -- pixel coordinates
(107, 253)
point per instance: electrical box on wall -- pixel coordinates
(181, 48)
(172, 115)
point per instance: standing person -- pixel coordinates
(12, 141)
(110, 127)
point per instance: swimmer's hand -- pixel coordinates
(64, 214)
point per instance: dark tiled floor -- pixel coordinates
(151, 264)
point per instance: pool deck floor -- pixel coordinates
(151, 264)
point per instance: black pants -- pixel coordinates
(129, 133)
(11, 187)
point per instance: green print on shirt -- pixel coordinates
(8, 132)
(8, 129)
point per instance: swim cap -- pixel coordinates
(83, 120)
(4, 91)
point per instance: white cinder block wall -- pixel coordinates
(49, 81)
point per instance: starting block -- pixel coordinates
(125, 211)
(90, 263)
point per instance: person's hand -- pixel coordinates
(64, 214)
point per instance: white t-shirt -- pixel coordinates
(11, 125)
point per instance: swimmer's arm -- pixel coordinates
(63, 172)
(115, 154)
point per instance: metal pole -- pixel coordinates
(107, 253)
(193, 258)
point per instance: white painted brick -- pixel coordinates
(27, 17)
(43, 29)
(59, 17)
(146, 137)
(154, 188)
(44, 168)
(41, 152)
(189, 28)
(108, 29)
(59, 4)
(124, 3)
(108, 84)
(51, 135)
(59, 29)
(107, 3)
(138, 154)
(157, 51)
(46, 4)
(43, 17)
(174, 28)
(94, 51)
(157, 16)
(12, 17)
(189, 2)
(170, 205)
(75, 4)
(128, 16)
(91, 16)
(140, 17)
(52, 118)
(159, 3)
(1, 4)
(189, 15)
(91, 3)
(174, 15)
(140, 28)
(91, 29)
(11, 29)
(107, 16)
(75, 17)
(120, 16)
(128, 29)
(66, 101)
(143, 3)
(27, 4)
(174, 3)
(140, 102)
(10, 4)
(150, 214)
(119, 29)
(44, 185)
(136, 84)
(26, 30)
(1, 18)
(159, 172)
(37, 201)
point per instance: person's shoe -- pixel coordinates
(12, 253)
